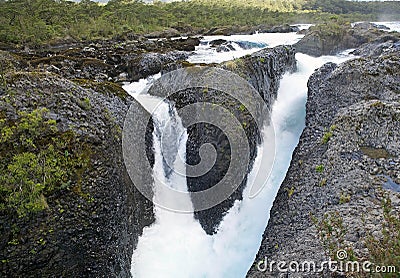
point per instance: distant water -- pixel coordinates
(393, 25)
(205, 54)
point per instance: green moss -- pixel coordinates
(319, 168)
(377, 104)
(344, 198)
(85, 103)
(382, 250)
(13, 242)
(290, 191)
(386, 249)
(187, 64)
(87, 62)
(323, 182)
(37, 160)
(332, 231)
(328, 134)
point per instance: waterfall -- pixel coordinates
(170, 227)
(176, 245)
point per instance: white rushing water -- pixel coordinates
(393, 25)
(176, 245)
(205, 54)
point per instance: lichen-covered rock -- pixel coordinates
(91, 223)
(331, 198)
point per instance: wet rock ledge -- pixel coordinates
(343, 171)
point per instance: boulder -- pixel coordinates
(151, 63)
(262, 70)
(286, 28)
(167, 33)
(332, 38)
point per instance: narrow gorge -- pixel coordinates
(200, 156)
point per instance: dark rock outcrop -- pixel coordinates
(285, 28)
(167, 33)
(117, 61)
(228, 31)
(347, 153)
(331, 38)
(151, 63)
(263, 71)
(90, 227)
(382, 45)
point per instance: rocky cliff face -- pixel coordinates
(87, 221)
(345, 164)
(88, 215)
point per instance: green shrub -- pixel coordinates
(328, 134)
(332, 231)
(385, 251)
(319, 168)
(36, 160)
(382, 250)
(344, 198)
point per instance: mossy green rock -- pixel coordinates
(77, 213)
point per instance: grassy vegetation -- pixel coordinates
(382, 250)
(386, 250)
(328, 134)
(319, 168)
(36, 161)
(38, 21)
(332, 232)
